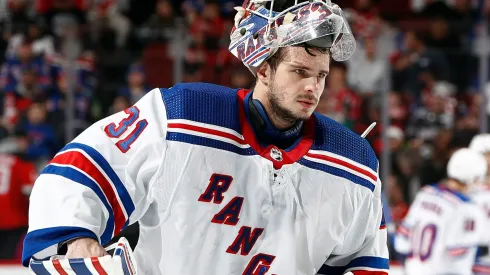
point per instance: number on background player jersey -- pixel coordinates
(115, 131)
(4, 179)
(423, 241)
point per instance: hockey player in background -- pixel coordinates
(481, 196)
(443, 228)
(226, 181)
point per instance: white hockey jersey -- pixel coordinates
(481, 196)
(441, 233)
(210, 199)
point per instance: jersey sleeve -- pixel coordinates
(402, 242)
(365, 249)
(100, 182)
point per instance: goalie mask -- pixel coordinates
(261, 27)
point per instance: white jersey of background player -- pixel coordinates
(227, 181)
(443, 228)
(481, 196)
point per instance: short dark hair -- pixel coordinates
(281, 53)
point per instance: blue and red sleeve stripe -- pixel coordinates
(359, 266)
(85, 165)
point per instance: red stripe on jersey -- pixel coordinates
(206, 131)
(458, 251)
(127, 258)
(480, 269)
(403, 231)
(345, 164)
(98, 266)
(369, 272)
(59, 268)
(80, 161)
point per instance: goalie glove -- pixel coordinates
(120, 263)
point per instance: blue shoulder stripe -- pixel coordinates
(337, 172)
(212, 143)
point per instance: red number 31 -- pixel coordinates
(115, 131)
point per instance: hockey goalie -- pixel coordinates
(223, 181)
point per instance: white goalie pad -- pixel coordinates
(122, 262)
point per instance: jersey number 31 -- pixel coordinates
(118, 130)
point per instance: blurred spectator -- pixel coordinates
(107, 15)
(371, 112)
(367, 72)
(241, 78)
(17, 178)
(40, 133)
(41, 42)
(226, 5)
(20, 13)
(136, 88)
(436, 114)
(366, 21)
(440, 37)
(210, 26)
(56, 105)
(120, 103)
(397, 110)
(415, 60)
(11, 72)
(84, 69)
(64, 16)
(433, 170)
(400, 168)
(338, 101)
(194, 59)
(17, 101)
(399, 207)
(160, 27)
(465, 17)
(396, 139)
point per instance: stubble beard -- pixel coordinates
(275, 98)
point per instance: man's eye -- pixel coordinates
(300, 71)
(322, 75)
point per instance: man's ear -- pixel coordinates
(263, 73)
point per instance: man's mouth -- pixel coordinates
(306, 103)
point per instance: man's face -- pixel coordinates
(297, 84)
(25, 52)
(29, 78)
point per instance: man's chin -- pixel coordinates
(304, 115)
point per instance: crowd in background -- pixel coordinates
(418, 53)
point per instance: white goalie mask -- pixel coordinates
(261, 27)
